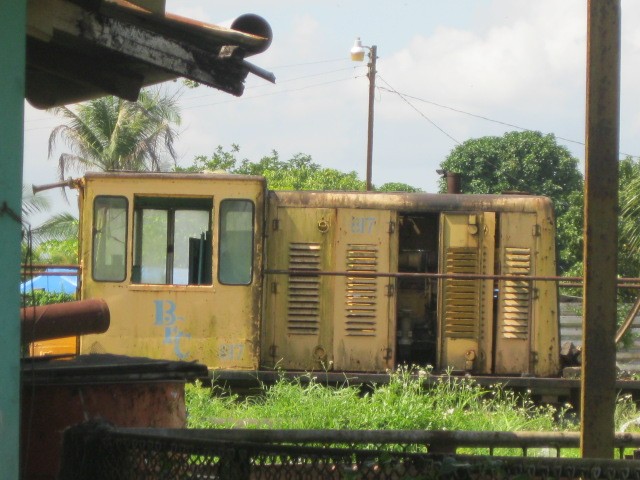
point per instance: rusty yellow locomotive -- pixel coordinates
(217, 268)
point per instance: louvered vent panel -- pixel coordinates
(517, 300)
(304, 291)
(462, 297)
(361, 293)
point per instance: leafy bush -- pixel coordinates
(40, 297)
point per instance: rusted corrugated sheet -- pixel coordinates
(77, 50)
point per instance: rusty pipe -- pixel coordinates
(453, 181)
(67, 319)
(70, 183)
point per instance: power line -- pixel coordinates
(393, 90)
(402, 96)
(482, 117)
(282, 81)
(341, 59)
(270, 93)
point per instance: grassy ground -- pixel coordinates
(454, 404)
(457, 404)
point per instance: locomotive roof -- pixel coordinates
(412, 202)
(142, 176)
(397, 201)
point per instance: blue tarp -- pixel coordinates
(61, 282)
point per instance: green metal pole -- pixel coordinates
(12, 80)
(601, 228)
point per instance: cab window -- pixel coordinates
(236, 242)
(109, 239)
(172, 241)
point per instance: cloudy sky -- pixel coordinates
(447, 72)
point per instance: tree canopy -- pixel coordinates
(298, 173)
(526, 162)
(114, 134)
(629, 224)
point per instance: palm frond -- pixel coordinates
(59, 227)
(32, 203)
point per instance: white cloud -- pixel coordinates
(522, 62)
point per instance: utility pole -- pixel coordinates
(357, 55)
(373, 51)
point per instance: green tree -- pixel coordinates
(55, 241)
(298, 173)
(114, 134)
(526, 162)
(629, 224)
(397, 187)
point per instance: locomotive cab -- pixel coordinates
(178, 257)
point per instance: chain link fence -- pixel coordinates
(99, 451)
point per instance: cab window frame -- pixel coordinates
(225, 244)
(169, 209)
(96, 243)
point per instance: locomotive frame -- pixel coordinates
(218, 269)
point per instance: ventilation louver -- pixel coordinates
(304, 291)
(516, 294)
(462, 296)
(361, 291)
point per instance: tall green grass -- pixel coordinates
(452, 403)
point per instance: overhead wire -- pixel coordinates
(393, 90)
(270, 93)
(280, 82)
(405, 97)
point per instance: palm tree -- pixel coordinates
(114, 134)
(61, 226)
(55, 233)
(31, 203)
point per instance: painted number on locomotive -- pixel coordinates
(166, 318)
(231, 351)
(362, 225)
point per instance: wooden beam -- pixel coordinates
(601, 228)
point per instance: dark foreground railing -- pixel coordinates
(98, 451)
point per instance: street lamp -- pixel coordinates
(357, 55)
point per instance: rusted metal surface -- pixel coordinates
(124, 391)
(415, 202)
(116, 48)
(64, 320)
(102, 452)
(601, 227)
(452, 440)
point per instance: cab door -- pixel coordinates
(297, 331)
(465, 312)
(364, 313)
(518, 234)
